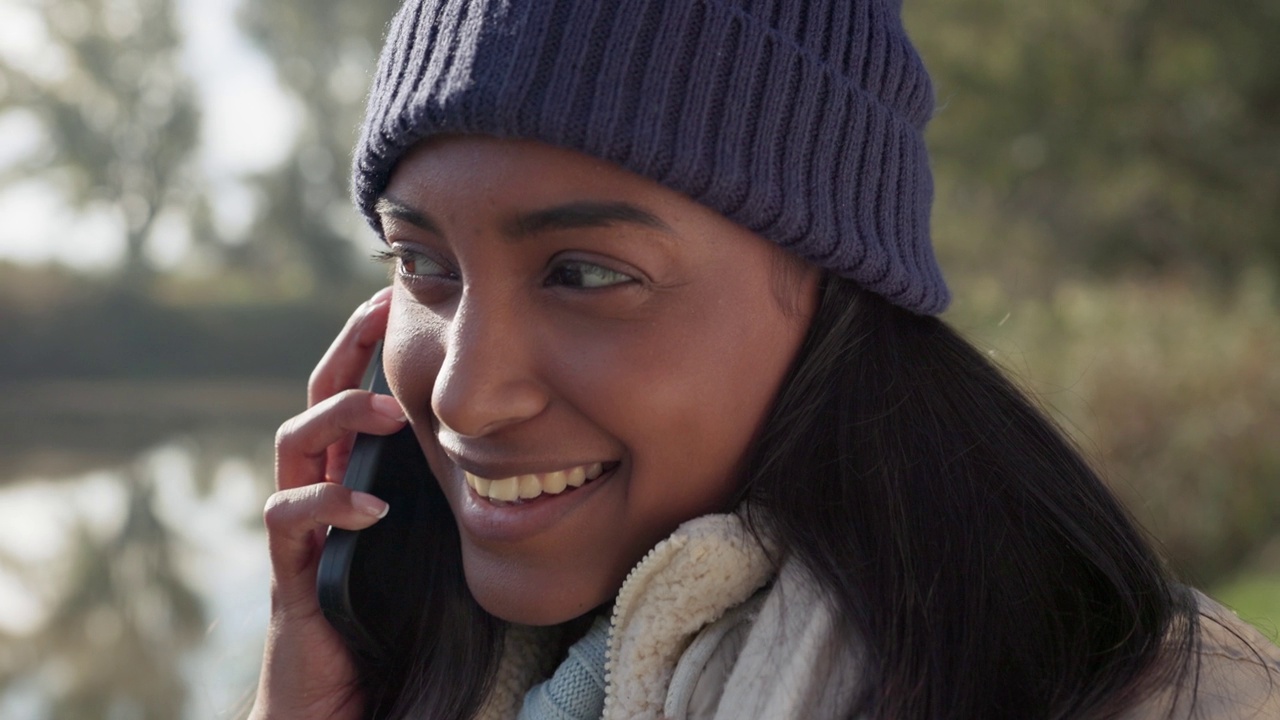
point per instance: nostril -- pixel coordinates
(474, 407)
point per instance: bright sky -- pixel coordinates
(36, 225)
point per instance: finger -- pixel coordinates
(296, 522)
(344, 363)
(302, 442)
(339, 457)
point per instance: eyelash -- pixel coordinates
(397, 256)
(584, 268)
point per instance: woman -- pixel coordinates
(662, 321)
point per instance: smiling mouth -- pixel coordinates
(521, 488)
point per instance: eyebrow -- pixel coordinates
(390, 207)
(584, 214)
(570, 216)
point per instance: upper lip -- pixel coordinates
(497, 469)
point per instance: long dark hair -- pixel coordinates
(985, 567)
(965, 543)
(440, 663)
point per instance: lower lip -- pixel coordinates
(509, 522)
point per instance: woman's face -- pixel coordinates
(557, 320)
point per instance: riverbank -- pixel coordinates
(60, 428)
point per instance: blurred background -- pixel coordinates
(177, 249)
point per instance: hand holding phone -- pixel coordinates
(370, 582)
(308, 669)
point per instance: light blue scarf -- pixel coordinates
(576, 690)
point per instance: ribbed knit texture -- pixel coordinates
(576, 690)
(801, 120)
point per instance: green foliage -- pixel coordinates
(1108, 213)
(1255, 598)
(1176, 393)
(1133, 135)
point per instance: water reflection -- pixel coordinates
(137, 589)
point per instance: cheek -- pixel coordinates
(412, 353)
(688, 395)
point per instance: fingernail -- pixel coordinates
(369, 505)
(382, 297)
(387, 405)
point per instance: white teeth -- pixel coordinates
(479, 484)
(506, 489)
(555, 482)
(529, 486)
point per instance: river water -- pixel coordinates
(133, 565)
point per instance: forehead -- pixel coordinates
(512, 185)
(530, 169)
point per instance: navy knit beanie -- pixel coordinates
(801, 120)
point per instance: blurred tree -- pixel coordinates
(119, 116)
(1133, 135)
(324, 52)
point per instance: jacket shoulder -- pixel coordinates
(1234, 676)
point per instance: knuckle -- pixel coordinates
(285, 434)
(346, 395)
(277, 510)
(318, 384)
(287, 508)
(347, 403)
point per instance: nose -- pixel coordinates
(488, 379)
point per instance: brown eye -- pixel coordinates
(415, 264)
(578, 274)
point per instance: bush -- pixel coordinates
(1174, 391)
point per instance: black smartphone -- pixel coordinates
(371, 582)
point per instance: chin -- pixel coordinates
(529, 598)
(538, 614)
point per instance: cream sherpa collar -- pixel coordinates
(708, 565)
